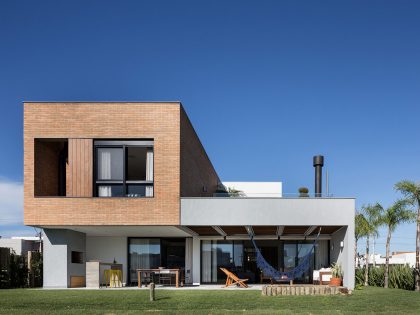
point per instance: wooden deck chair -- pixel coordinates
(232, 279)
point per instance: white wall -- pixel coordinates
(58, 268)
(267, 211)
(14, 244)
(106, 249)
(344, 255)
(257, 189)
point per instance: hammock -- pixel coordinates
(296, 272)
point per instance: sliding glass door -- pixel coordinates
(152, 253)
(239, 257)
(216, 254)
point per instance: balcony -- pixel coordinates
(267, 211)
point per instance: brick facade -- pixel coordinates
(198, 177)
(181, 166)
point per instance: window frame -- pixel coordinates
(121, 144)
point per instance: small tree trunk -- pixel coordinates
(367, 262)
(417, 271)
(355, 253)
(388, 241)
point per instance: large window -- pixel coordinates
(240, 257)
(152, 253)
(124, 168)
(220, 254)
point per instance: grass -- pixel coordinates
(369, 300)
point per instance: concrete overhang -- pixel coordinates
(267, 211)
(123, 230)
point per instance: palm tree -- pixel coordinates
(411, 192)
(360, 231)
(372, 214)
(392, 217)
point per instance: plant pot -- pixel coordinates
(335, 282)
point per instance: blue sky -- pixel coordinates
(267, 84)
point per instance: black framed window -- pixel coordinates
(124, 168)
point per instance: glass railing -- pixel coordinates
(241, 194)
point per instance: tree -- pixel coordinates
(393, 216)
(360, 231)
(372, 214)
(411, 192)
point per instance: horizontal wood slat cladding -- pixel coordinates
(77, 281)
(265, 230)
(80, 167)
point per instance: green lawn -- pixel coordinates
(368, 300)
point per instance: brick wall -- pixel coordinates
(159, 121)
(196, 168)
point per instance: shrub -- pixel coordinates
(18, 272)
(36, 270)
(400, 276)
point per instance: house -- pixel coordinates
(21, 245)
(396, 258)
(131, 183)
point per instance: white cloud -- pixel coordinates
(11, 202)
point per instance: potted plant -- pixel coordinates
(235, 193)
(303, 192)
(336, 275)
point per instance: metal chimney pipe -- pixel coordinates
(318, 164)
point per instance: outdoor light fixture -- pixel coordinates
(341, 244)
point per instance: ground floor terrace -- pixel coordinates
(213, 233)
(369, 300)
(198, 252)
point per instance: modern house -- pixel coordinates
(132, 183)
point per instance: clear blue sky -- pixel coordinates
(267, 84)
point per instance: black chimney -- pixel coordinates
(318, 164)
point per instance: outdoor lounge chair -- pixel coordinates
(232, 279)
(322, 276)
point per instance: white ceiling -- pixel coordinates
(130, 231)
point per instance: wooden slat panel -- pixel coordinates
(77, 281)
(80, 164)
(204, 230)
(234, 230)
(295, 229)
(327, 229)
(265, 230)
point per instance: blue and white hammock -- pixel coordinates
(296, 272)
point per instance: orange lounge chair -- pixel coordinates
(232, 279)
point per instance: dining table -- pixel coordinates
(157, 271)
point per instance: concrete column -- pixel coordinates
(344, 255)
(196, 261)
(57, 264)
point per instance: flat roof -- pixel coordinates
(104, 102)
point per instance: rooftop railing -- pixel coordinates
(269, 195)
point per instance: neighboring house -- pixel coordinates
(396, 258)
(21, 245)
(131, 182)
